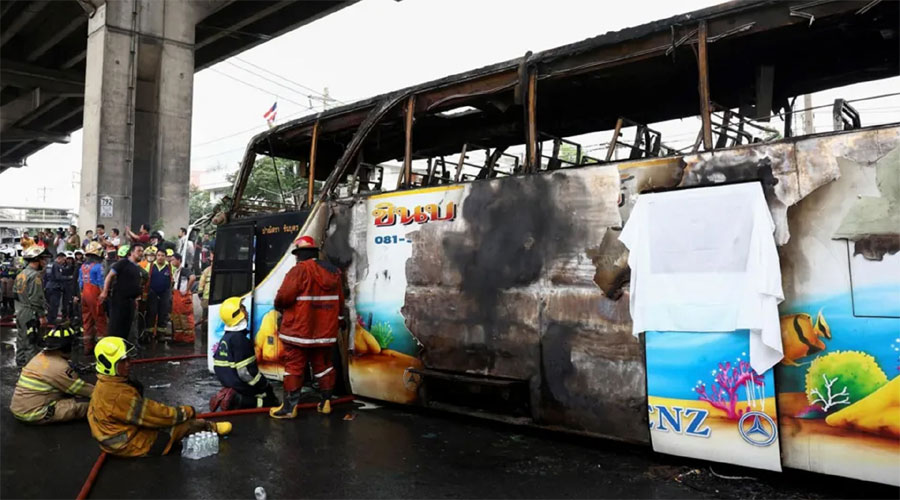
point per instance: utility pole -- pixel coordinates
(808, 127)
(325, 99)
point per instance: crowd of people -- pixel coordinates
(121, 419)
(136, 282)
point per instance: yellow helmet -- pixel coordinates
(151, 250)
(35, 252)
(230, 311)
(109, 351)
(94, 248)
(170, 252)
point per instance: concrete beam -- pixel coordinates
(22, 134)
(29, 76)
(19, 108)
(228, 30)
(52, 34)
(30, 11)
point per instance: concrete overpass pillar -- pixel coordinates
(137, 114)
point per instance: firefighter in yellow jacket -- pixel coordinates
(46, 389)
(127, 424)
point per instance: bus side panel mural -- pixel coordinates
(705, 401)
(839, 383)
(384, 349)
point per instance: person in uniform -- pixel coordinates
(159, 297)
(127, 424)
(54, 287)
(234, 362)
(48, 385)
(31, 310)
(90, 280)
(182, 301)
(311, 298)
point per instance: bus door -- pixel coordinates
(232, 275)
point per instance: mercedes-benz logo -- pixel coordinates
(757, 428)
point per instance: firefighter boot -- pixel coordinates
(324, 406)
(288, 408)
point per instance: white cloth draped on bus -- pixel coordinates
(704, 260)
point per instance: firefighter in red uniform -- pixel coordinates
(311, 298)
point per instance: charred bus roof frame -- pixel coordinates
(733, 55)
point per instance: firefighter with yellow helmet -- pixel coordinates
(31, 311)
(234, 362)
(124, 422)
(46, 390)
(90, 280)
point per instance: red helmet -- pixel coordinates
(305, 242)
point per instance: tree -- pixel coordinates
(267, 187)
(199, 203)
(569, 153)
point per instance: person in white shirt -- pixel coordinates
(114, 239)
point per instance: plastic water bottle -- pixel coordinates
(215, 440)
(195, 447)
(204, 439)
(187, 447)
(259, 493)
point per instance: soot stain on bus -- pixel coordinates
(336, 247)
(510, 237)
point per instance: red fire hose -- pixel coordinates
(89, 482)
(167, 358)
(302, 406)
(95, 470)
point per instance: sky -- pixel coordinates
(376, 46)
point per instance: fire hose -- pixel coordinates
(95, 470)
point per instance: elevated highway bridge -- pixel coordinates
(123, 70)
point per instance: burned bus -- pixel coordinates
(479, 237)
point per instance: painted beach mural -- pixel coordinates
(384, 355)
(839, 383)
(705, 401)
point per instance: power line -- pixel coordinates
(267, 79)
(251, 129)
(288, 80)
(261, 89)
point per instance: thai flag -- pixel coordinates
(270, 114)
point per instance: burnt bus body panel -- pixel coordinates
(534, 286)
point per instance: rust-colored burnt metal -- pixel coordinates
(648, 73)
(703, 69)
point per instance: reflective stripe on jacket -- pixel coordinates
(46, 379)
(235, 364)
(311, 297)
(124, 422)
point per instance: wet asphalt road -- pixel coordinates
(383, 452)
